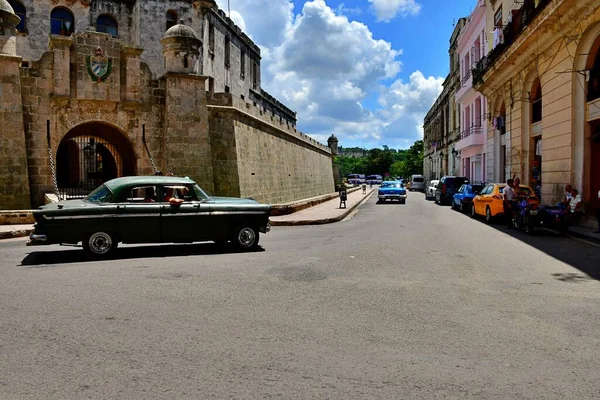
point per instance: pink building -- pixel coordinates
(472, 105)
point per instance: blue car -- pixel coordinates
(463, 199)
(392, 190)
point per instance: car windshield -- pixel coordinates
(101, 195)
(391, 185)
(200, 193)
(455, 182)
(476, 188)
(418, 180)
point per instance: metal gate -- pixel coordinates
(84, 163)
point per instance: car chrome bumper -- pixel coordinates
(36, 240)
(267, 228)
(391, 196)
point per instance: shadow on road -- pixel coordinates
(581, 256)
(40, 258)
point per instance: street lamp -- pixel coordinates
(454, 152)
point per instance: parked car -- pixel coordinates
(150, 209)
(430, 191)
(392, 190)
(489, 202)
(417, 182)
(463, 199)
(447, 187)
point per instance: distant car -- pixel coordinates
(417, 182)
(392, 190)
(489, 202)
(463, 199)
(430, 191)
(149, 209)
(447, 187)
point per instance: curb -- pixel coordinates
(295, 206)
(592, 239)
(16, 234)
(323, 221)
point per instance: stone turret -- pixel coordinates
(332, 143)
(8, 31)
(182, 50)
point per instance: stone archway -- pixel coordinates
(585, 126)
(91, 154)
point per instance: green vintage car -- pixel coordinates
(150, 209)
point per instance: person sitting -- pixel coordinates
(171, 197)
(564, 203)
(149, 195)
(575, 202)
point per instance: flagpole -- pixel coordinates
(228, 9)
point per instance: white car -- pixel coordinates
(430, 191)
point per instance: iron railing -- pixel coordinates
(472, 130)
(520, 20)
(466, 77)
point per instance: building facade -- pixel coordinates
(542, 79)
(96, 89)
(472, 104)
(441, 127)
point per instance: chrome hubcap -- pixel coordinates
(100, 243)
(246, 237)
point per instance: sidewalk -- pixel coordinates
(15, 231)
(324, 213)
(583, 232)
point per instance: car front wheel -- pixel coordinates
(488, 215)
(246, 238)
(473, 213)
(100, 244)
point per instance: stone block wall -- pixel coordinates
(14, 178)
(271, 160)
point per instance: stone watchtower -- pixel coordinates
(14, 177)
(187, 147)
(332, 143)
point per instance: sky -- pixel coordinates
(366, 71)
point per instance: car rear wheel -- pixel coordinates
(246, 238)
(473, 213)
(488, 215)
(462, 207)
(100, 244)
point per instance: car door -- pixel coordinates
(137, 215)
(185, 220)
(479, 201)
(459, 195)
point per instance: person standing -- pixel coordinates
(509, 195)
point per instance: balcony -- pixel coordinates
(470, 137)
(511, 32)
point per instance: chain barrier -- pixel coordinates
(52, 165)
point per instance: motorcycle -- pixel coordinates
(529, 217)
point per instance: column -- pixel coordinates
(61, 47)
(131, 58)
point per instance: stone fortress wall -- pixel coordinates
(235, 140)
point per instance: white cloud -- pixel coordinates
(333, 72)
(386, 10)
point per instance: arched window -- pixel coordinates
(19, 9)
(107, 24)
(171, 19)
(61, 22)
(536, 101)
(594, 82)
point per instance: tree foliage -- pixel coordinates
(402, 163)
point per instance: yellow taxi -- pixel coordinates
(489, 202)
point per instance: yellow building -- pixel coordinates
(542, 81)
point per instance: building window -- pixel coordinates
(536, 102)
(211, 38)
(594, 81)
(498, 17)
(186, 63)
(19, 9)
(254, 75)
(171, 19)
(61, 22)
(107, 24)
(227, 51)
(243, 65)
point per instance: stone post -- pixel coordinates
(14, 176)
(332, 143)
(61, 48)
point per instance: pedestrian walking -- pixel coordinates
(509, 196)
(364, 188)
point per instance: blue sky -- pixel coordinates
(364, 70)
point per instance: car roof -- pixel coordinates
(118, 183)
(392, 182)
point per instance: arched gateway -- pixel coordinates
(91, 154)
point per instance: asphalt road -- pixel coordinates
(407, 301)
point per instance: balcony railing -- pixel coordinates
(466, 77)
(520, 20)
(473, 130)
